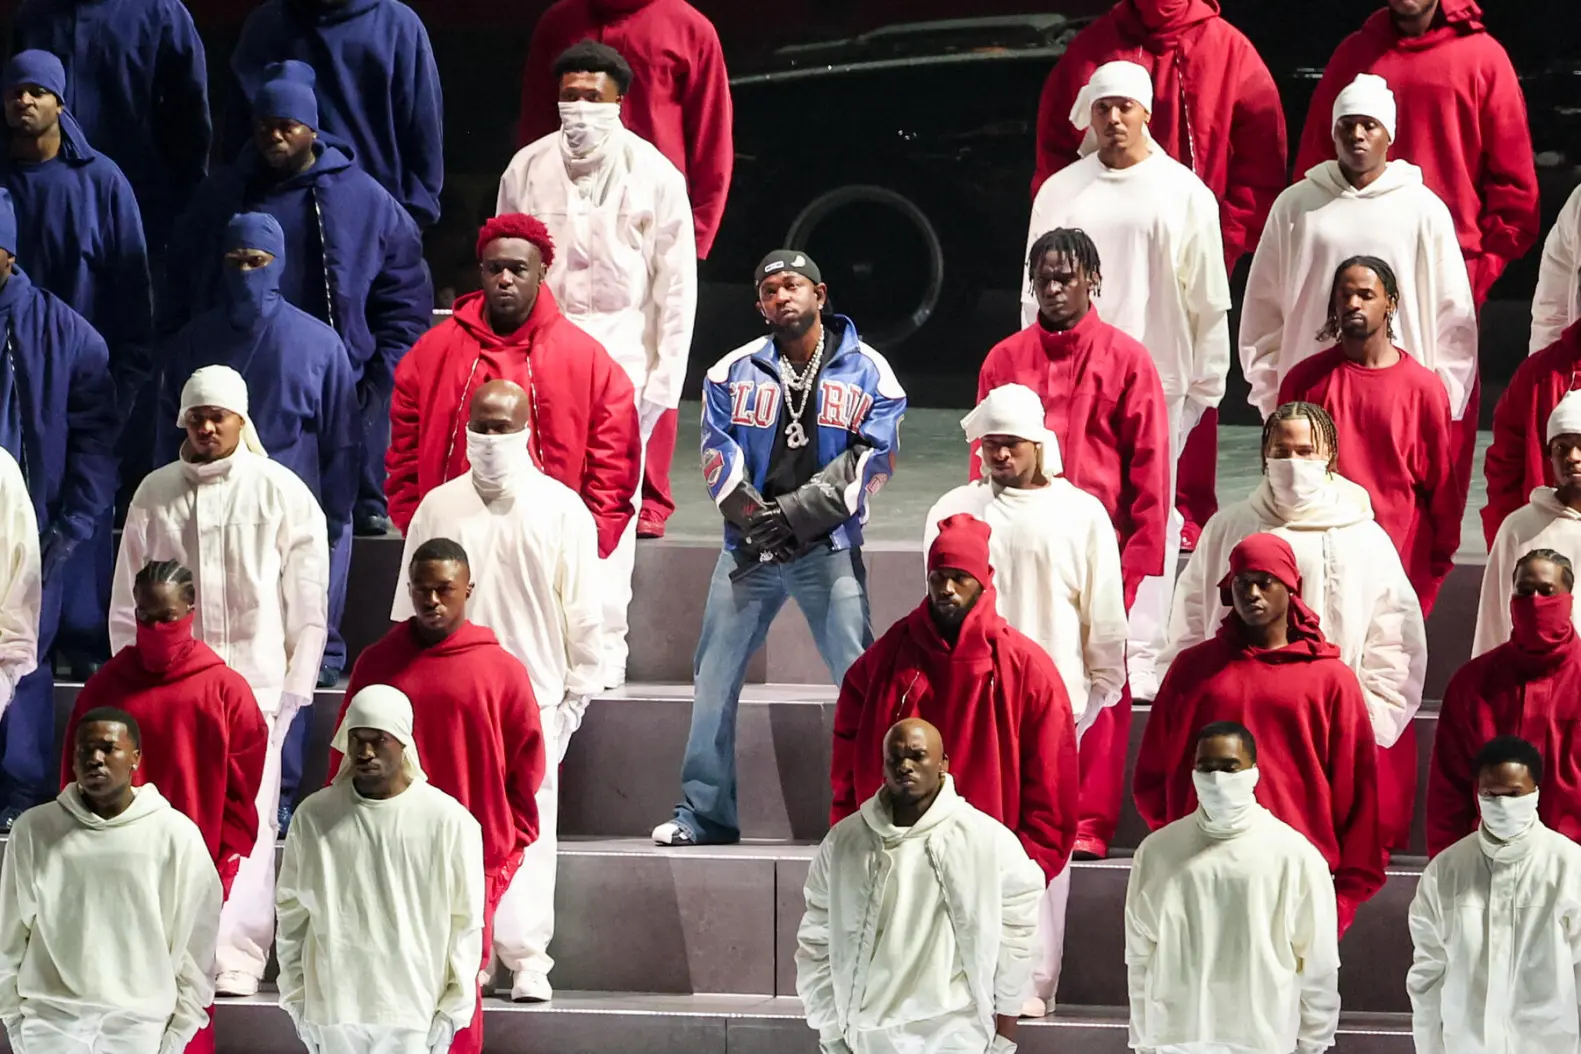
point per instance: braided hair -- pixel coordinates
(168, 572)
(1567, 573)
(1072, 242)
(1317, 418)
(1391, 287)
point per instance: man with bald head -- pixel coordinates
(888, 979)
(535, 585)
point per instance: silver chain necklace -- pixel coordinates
(793, 383)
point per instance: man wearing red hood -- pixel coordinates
(1271, 669)
(1530, 687)
(1518, 463)
(474, 719)
(1216, 110)
(995, 697)
(583, 418)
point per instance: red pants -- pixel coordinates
(203, 1042)
(1397, 791)
(1102, 757)
(1196, 493)
(657, 505)
(470, 1039)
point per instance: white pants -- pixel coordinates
(615, 572)
(959, 1033)
(110, 1033)
(1048, 948)
(524, 919)
(364, 1039)
(1155, 596)
(247, 919)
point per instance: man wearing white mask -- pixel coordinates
(21, 583)
(1230, 902)
(1358, 204)
(1350, 575)
(618, 212)
(534, 550)
(1156, 227)
(257, 544)
(381, 869)
(1496, 923)
(1551, 520)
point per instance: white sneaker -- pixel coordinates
(672, 833)
(614, 676)
(531, 988)
(236, 983)
(1034, 1007)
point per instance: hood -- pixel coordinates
(1307, 642)
(193, 660)
(1547, 499)
(1461, 18)
(1342, 504)
(1159, 24)
(16, 290)
(1396, 175)
(470, 637)
(879, 819)
(609, 10)
(974, 645)
(74, 146)
(334, 155)
(315, 12)
(469, 314)
(146, 801)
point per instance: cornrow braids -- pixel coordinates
(168, 572)
(1072, 242)
(1318, 418)
(1391, 288)
(1567, 573)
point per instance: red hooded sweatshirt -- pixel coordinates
(680, 93)
(476, 725)
(1462, 120)
(204, 738)
(1529, 688)
(1315, 744)
(1216, 108)
(1105, 404)
(1517, 462)
(999, 706)
(583, 415)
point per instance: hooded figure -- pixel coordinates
(1517, 462)
(377, 84)
(139, 89)
(1308, 713)
(422, 920)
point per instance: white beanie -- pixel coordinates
(388, 710)
(1367, 96)
(1566, 418)
(1015, 410)
(222, 387)
(1112, 80)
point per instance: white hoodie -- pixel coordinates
(1316, 225)
(1351, 576)
(1542, 523)
(1497, 931)
(107, 928)
(21, 588)
(916, 933)
(1557, 302)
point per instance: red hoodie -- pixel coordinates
(204, 741)
(1215, 106)
(476, 725)
(680, 94)
(1517, 462)
(1462, 120)
(1000, 707)
(583, 416)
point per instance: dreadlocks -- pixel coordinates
(1071, 242)
(1391, 287)
(168, 572)
(1321, 423)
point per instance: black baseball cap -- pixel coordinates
(793, 260)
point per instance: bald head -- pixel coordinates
(914, 767)
(499, 408)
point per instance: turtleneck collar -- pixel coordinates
(1517, 848)
(1057, 345)
(1225, 830)
(974, 643)
(199, 473)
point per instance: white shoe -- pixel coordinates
(1034, 1007)
(236, 983)
(614, 676)
(531, 988)
(672, 833)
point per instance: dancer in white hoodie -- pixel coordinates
(105, 856)
(21, 582)
(920, 917)
(534, 562)
(1359, 204)
(1556, 305)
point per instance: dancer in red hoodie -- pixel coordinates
(996, 698)
(1271, 669)
(475, 720)
(584, 413)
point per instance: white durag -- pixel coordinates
(223, 387)
(390, 711)
(1112, 80)
(1367, 96)
(1566, 418)
(1015, 410)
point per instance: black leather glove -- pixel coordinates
(768, 530)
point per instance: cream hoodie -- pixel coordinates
(1542, 523)
(21, 588)
(1351, 576)
(1316, 225)
(107, 928)
(1557, 303)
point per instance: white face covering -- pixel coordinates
(1226, 797)
(1296, 481)
(584, 126)
(497, 459)
(1508, 817)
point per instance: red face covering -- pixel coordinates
(1539, 625)
(161, 646)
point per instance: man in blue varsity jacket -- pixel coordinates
(800, 429)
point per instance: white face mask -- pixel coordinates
(1295, 481)
(585, 125)
(497, 459)
(1508, 817)
(1226, 797)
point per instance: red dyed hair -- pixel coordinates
(518, 225)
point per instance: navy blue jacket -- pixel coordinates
(58, 371)
(380, 297)
(137, 83)
(79, 235)
(378, 88)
